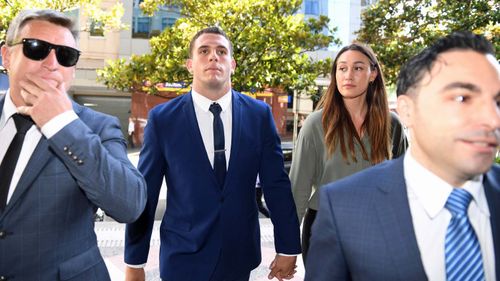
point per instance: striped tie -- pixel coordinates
(462, 252)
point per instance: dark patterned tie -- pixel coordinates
(462, 251)
(23, 124)
(219, 146)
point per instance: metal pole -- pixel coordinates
(295, 118)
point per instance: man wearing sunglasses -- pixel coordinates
(59, 161)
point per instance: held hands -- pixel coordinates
(134, 274)
(283, 267)
(44, 98)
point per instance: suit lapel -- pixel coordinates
(236, 133)
(492, 191)
(196, 140)
(395, 218)
(37, 162)
(2, 100)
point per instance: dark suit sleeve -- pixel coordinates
(325, 259)
(152, 165)
(94, 151)
(277, 190)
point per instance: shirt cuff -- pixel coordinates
(286, 255)
(136, 265)
(57, 123)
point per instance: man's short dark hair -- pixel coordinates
(210, 30)
(413, 71)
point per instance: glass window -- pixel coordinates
(167, 22)
(367, 2)
(311, 7)
(143, 24)
(141, 27)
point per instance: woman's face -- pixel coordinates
(353, 73)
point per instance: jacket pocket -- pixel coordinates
(80, 263)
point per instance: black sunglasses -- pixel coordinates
(37, 49)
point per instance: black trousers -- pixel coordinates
(309, 218)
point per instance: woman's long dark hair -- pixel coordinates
(337, 123)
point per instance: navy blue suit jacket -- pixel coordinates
(364, 229)
(47, 227)
(205, 225)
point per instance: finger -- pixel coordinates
(290, 276)
(274, 273)
(25, 110)
(273, 264)
(48, 83)
(28, 98)
(29, 86)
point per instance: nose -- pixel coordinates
(349, 74)
(491, 115)
(50, 62)
(214, 56)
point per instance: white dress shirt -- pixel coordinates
(427, 196)
(205, 120)
(33, 136)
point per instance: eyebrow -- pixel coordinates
(208, 46)
(462, 85)
(356, 62)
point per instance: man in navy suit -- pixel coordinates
(394, 221)
(210, 229)
(72, 160)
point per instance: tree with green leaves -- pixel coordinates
(270, 42)
(398, 29)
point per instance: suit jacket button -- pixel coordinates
(70, 153)
(80, 162)
(3, 234)
(3, 278)
(65, 148)
(75, 157)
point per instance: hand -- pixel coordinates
(283, 267)
(134, 274)
(44, 98)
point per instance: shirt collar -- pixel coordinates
(8, 110)
(204, 103)
(432, 192)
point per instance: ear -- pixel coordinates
(373, 74)
(405, 109)
(233, 66)
(5, 57)
(189, 65)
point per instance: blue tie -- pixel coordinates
(219, 146)
(462, 251)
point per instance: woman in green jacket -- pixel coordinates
(351, 129)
